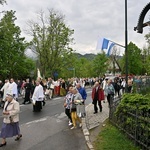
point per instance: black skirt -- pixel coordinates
(37, 107)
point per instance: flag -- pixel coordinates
(102, 44)
(109, 52)
(105, 45)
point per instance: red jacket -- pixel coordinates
(100, 93)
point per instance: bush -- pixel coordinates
(132, 115)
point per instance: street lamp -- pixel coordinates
(126, 46)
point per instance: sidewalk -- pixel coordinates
(93, 120)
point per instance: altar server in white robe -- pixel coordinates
(13, 88)
(37, 97)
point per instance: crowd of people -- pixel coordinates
(73, 90)
(102, 89)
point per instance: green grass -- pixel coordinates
(110, 138)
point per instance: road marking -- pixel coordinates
(36, 121)
(62, 115)
(56, 98)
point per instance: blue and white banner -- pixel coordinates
(105, 45)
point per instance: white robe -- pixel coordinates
(13, 89)
(5, 89)
(38, 94)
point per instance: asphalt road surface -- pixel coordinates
(47, 130)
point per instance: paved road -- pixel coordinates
(47, 130)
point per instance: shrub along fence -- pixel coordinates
(131, 114)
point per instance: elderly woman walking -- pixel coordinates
(110, 92)
(10, 126)
(76, 98)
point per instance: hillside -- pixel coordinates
(87, 56)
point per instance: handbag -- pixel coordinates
(52, 86)
(11, 120)
(73, 107)
(81, 110)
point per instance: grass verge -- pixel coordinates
(110, 138)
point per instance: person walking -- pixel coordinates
(104, 82)
(67, 104)
(82, 91)
(130, 85)
(42, 84)
(13, 88)
(123, 85)
(28, 88)
(4, 89)
(110, 92)
(19, 83)
(50, 87)
(37, 97)
(10, 126)
(97, 97)
(76, 97)
(117, 87)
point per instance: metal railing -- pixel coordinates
(134, 122)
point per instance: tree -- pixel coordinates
(146, 55)
(83, 67)
(51, 41)
(113, 58)
(100, 64)
(2, 2)
(12, 58)
(147, 37)
(134, 60)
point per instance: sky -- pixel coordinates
(90, 19)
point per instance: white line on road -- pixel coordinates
(57, 98)
(36, 121)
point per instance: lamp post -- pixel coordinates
(126, 46)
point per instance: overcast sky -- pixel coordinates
(90, 19)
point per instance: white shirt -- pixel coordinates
(38, 94)
(104, 84)
(123, 83)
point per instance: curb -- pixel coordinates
(86, 134)
(86, 127)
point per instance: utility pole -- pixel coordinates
(126, 46)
